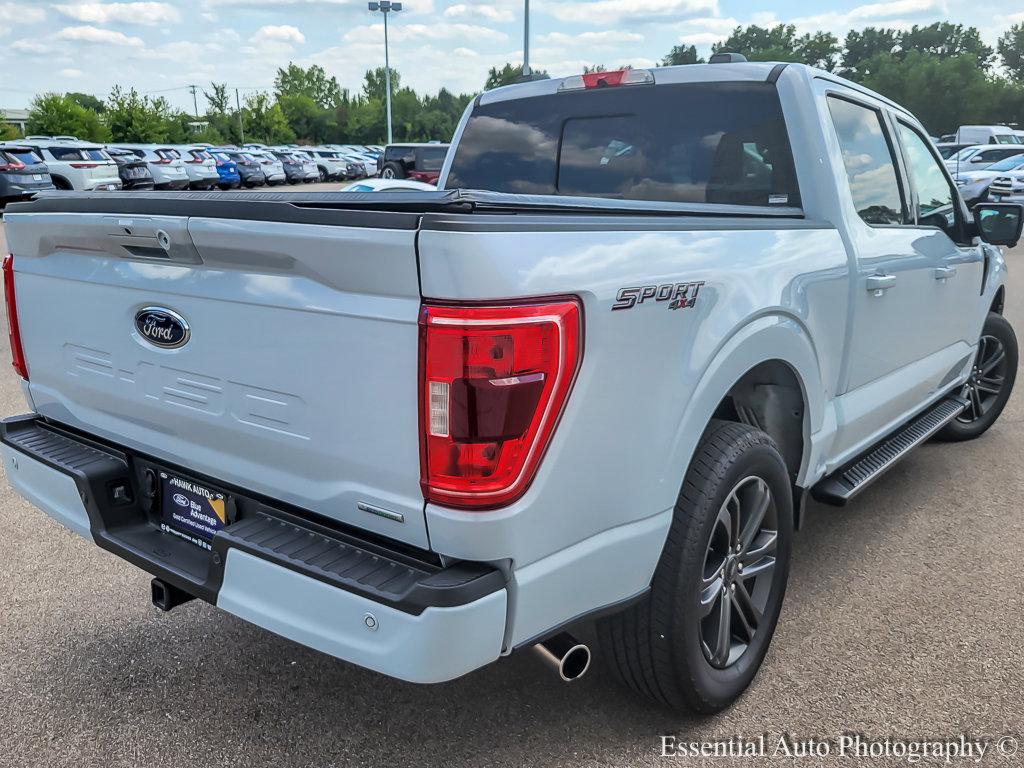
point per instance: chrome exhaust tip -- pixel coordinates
(565, 655)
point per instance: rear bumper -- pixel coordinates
(173, 184)
(393, 611)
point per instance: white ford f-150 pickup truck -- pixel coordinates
(594, 376)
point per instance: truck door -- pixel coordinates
(937, 224)
(900, 351)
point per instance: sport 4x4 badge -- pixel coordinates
(678, 295)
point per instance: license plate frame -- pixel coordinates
(192, 510)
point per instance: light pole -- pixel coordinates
(526, 38)
(386, 7)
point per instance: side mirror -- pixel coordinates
(999, 223)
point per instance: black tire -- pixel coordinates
(992, 376)
(657, 646)
(323, 174)
(392, 171)
(61, 183)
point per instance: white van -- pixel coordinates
(987, 134)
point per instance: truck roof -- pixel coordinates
(748, 71)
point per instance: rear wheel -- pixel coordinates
(992, 376)
(699, 637)
(392, 171)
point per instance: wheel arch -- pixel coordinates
(765, 369)
(999, 300)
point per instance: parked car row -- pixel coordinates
(988, 172)
(38, 163)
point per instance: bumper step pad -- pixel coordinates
(842, 485)
(123, 518)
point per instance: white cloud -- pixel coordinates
(701, 38)
(409, 6)
(33, 47)
(712, 24)
(871, 13)
(610, 11)
(374, 33)
(87, 34)
(71, 72)
(22, 14)
(147, 14)
(484, 12)
(591, 39)
(284, 33)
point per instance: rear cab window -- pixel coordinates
(723, 143)
(431, 158)
(23, 156)
(68, 154)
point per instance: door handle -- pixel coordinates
(941, 273)
(876, 284)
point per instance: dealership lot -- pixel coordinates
(903, 618)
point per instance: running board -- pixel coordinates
(853, 477)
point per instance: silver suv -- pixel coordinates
(77, 165)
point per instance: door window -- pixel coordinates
(934, 195)
(870, 167)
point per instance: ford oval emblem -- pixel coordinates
(162, 327)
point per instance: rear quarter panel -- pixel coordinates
(651, 377)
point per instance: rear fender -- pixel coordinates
(769, 337)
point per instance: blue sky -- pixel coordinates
(161, 47)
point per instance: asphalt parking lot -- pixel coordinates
(903, 619)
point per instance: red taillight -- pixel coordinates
(14, 330)
(162, 161)
(493, 383)
(13, 165)
(85, 165)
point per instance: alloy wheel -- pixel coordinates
(737, 578)
(987, 378)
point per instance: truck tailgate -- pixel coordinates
(298, 379)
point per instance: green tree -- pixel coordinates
(507, 75)
(865, 44)
(54, 113)
(265, 121)
(375, 86)
(942, 92)
(820, 50)
(9, 132)
(313, 82)
(1011, 51)
(88, 101)
(136, 118)
(218, 99)
(780, 43)
(946, 40)
(681, 54)
(307, 119)
(219, 114)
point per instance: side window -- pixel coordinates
(934, 206)
(869, 163)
